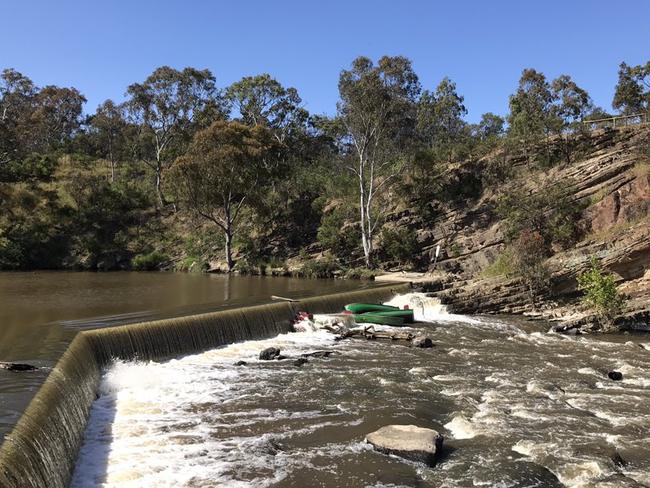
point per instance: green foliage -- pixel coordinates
(149, 262)
(550, 212)
(337, 234)
(361, 274)
(600, 293)
(632, 95)
(400, 244)
(501, 266)
(321, 268)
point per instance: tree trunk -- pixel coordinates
(161, 197)
(228, 233)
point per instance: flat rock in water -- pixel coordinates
(408, 441)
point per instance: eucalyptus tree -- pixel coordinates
(572, 105)
(224, 167)
(166, 107)
(531, 108)
(262, 100)
(109, 127)
(440, 119)
(632, 95)
(378, 109)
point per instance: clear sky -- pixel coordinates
(100, 47)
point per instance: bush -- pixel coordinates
(325, 268)
(361, 274)
(600, 292)
(400, 244)
(149, 262)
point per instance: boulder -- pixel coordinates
(422, 341)
(615, 375)
(241, 363)
(269, 354)
(408, 441)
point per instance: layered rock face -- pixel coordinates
(612, 183)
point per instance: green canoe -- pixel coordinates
(369, 307)
(407, 315)
(378, 318)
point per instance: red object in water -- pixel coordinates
(406, 307)
(347, 312)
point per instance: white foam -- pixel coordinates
(461, 428)
(427, 309)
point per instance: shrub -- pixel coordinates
(324, 268)
(529, 252)
(400, 244)
(149, 262)
(361, 274)
(600, 292)
(502, 265)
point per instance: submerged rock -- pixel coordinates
(300, 361)
(17, 367)
(269, 354)
(241, 363)
(318, 354)
(408, 441)
(615, 375)
(422, 341)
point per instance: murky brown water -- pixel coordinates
(41, 312)
(519, 408)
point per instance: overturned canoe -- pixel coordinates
(369, 307)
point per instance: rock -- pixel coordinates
(300, 361)
(422, 341)
(408, 441)
(615, 375)
(318, 354)
(269, 354)
(17, 367)
(241, 363)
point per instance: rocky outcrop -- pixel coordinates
(408, 441)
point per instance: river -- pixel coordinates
(40, 312)
(518, 407)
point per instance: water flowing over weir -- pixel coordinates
(42, 449)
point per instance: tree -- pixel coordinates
(571, 106)
(224, 166)
(56, 117)
(262, 100)
(109, 126)
(440, 119)
(165, 107)
(377, 108)
(530, 108)
(600, 293)
(632, 95)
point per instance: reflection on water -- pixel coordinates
(41, 312)
(518, 407)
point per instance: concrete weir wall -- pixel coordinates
(42, 449)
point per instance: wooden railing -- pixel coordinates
(618, 121)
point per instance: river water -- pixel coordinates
(41, 312)
(518, 407)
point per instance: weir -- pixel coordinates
(42, 448)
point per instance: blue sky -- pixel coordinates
(102, 47)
